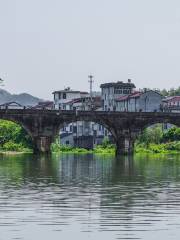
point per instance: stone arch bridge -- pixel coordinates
(44, 125)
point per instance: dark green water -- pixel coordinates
(89, 197)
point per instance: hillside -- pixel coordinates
(24, 99)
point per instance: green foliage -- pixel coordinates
(151, 135)
(173, 134)
(171, 92)
(56, 147)
(106, 143)
(13, 136)
(104, 148)
(154, 140)
(108, 149)
(11, 146)
(158, 148)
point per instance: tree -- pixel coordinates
(151, 134)
(10, 131)
(173, 134)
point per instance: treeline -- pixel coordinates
(13, 137)
(165, 92)
(157, 135)
(171, 92)
(156, 139)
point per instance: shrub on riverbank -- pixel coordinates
(104, 149)
(14, 147)
(158, 148)
(56, 147)
(13, 137)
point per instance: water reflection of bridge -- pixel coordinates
(44, 125)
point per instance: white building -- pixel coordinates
(63, 98)
(112, 91)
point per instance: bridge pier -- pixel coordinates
(124, 145)
(42, 144)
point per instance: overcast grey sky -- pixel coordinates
(46, 45)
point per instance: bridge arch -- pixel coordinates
(20, 123)
(154, 122)
(84, 133)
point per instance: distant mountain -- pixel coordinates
(24, 99)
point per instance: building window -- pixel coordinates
(64, 95)
(74, 129)
(64, 107)
(59, 95)
(71, 128)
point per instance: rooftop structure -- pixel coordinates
(119, 84)
(113, 90)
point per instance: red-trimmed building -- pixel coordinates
(145, 101)
(171, 104)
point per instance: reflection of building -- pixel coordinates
(171, 104)
(81, 133)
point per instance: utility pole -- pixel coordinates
(90, 87)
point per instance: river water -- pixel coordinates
(89, 197)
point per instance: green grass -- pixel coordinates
(56, 147)
(170, 147)
(14, 147)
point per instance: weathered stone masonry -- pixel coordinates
(44, 125)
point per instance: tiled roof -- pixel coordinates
(133, 95)
(172, 99)
(125, 97)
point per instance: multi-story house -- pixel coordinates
(171, 104)
(121, 96)
(145, 101)
(112, 91)
(63, 98)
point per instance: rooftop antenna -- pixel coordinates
(90, 83)
(90, 87)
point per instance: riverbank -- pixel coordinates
(171, 147)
